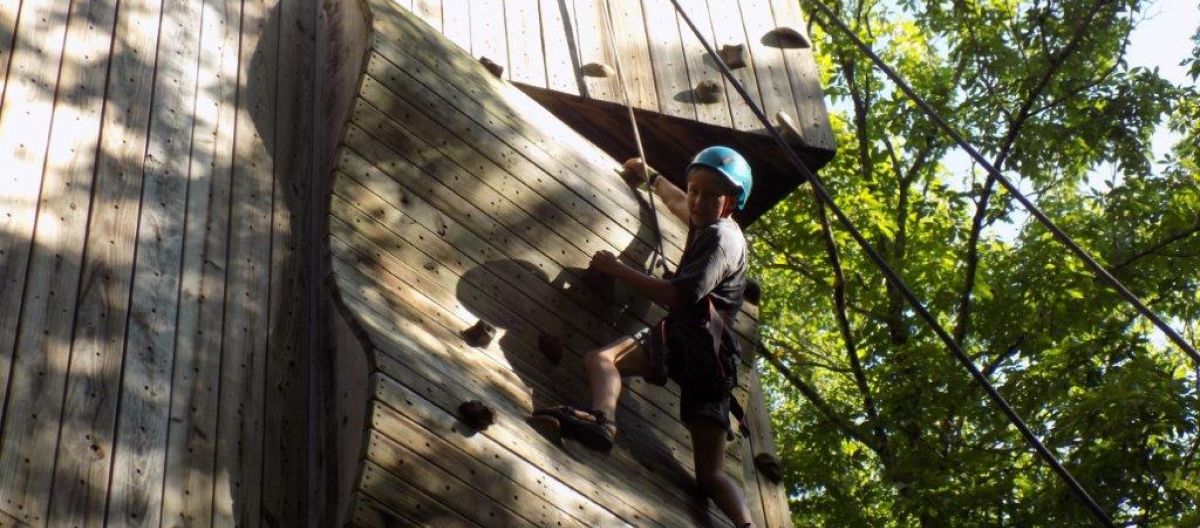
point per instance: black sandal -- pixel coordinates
(587, 426)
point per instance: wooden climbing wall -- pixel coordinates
(546, 43)
(457, 199)
(157, 158)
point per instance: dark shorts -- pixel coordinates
(694, 403)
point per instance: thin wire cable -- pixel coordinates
(657, 257)
(1033, 209)
(894, 278)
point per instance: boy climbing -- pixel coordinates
(693, 345)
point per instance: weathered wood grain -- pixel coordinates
(238, 494)
(700, 67)
(488, 38)
(769, 71)
(26, 113)
(560, 42)
(48, 313)
(511, 398)
(811, 114)
(668, 61)
(523, 26)
(135, 489)
(190, 452)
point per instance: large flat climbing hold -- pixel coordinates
(458, 203)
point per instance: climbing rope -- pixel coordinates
(1033, 209)
(656, 257)
(896, 281)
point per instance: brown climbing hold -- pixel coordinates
(479, 335)
(734, 55)
(753, 292)
(769, 466)
(595, 69)
(491, 66)
(786, 37)
(709, 92)
(476, 414)
(791, 132)
(551, 347)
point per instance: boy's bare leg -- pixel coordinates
(606, 366)
(708, 453)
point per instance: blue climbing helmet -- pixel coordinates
(730, 164)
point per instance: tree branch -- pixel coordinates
(810, 393)
(962, 325)
(1156, 247)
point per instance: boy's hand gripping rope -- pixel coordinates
(656, 256)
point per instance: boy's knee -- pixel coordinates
(596, 360)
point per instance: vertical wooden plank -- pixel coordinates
(523, 25)
(284, 465)
(560, 43)
(773, 82)
(811, 114)
(430, 11)
(774, 499)
(700, 66)
(667, 60)
(8, 31)
(48, 313)
(456, 22)
(488, 37)
(593, 48)
(629, 28)
(727, 29)
(239, 422)
(188, 479)
(135, 492)
(41, 353)
(25, 116)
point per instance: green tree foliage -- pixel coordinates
(877, 424)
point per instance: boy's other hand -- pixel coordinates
(605, 262)
(634, 171)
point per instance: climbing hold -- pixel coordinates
(479, 335)
(769, 466)
(790, 131)
(476, 414)
(786, 37)
(551, 347)
(753, 292)
(734, 55)
(491, 66)
(709, 92)
(595, 69)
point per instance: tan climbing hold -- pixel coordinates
(786, 37)
(790, 131)
(595, 69)
(480, 335)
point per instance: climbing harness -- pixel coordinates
(656, 257)
(895, 280)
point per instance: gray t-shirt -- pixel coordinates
(714, 261)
